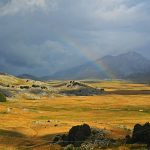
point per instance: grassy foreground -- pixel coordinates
(31, 123)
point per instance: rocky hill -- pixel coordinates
(13, 87)
(107, 67)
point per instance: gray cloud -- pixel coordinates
(43, 36)
(11, 7)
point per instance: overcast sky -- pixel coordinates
(40, 37)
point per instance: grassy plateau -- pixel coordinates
(30, 124)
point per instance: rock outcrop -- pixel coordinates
(141, 134)
(85, 137)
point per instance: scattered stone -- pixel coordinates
(69, 147)
(44, 87)
(102, 90)
(9, 110)
(57, 139)
(35, 86)
(74, 84)
(24, 87)
(88, 146)
(141, 110)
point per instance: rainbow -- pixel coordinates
(73, 44)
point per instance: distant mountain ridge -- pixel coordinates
(125, 64)
(118, 67)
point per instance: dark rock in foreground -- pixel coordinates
(84, 137)
(77, 135)
(141, 134)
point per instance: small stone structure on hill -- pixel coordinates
(73, 84)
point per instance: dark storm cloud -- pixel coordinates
(43, 36)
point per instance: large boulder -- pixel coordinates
(79, 133)
(76, 136)
(85, 138)
(141, 134)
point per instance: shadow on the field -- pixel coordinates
(17, 140)
(9, 133)
(88, 91)
(129, 92)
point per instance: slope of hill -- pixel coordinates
(28, 76)
(119, 66)
(14, 87)
(140, 77)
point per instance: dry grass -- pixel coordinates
(32, 122)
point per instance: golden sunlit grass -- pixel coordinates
(30, 120)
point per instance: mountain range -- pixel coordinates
(123, 66)
(115, 67)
